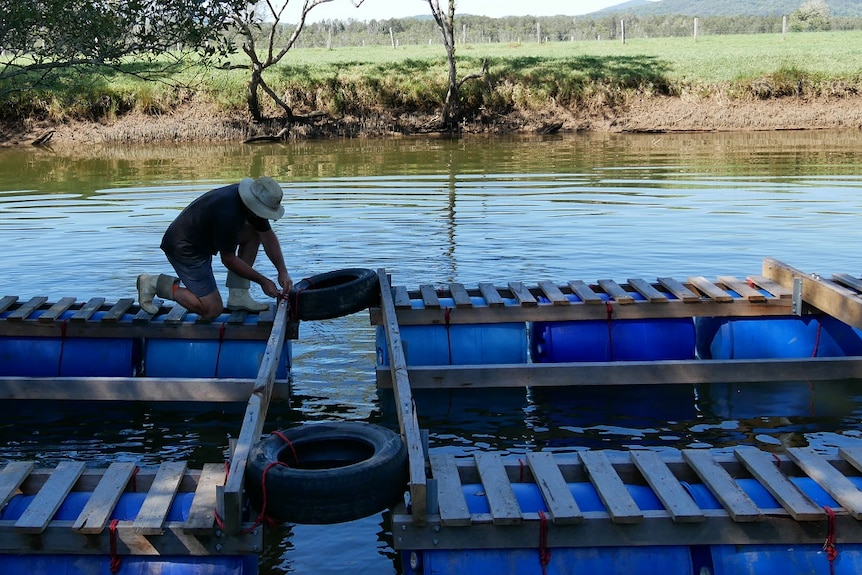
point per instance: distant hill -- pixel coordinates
(841, 8)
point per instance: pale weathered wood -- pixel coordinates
(744, 290)
(731, 496)
(561, 505)
(47, 501)
(118, 309)
(429, 297)
(460, 295)
(775, 289)
(88, 309)
(853, 455)
(11, 477)
(402, 298)
(666, 486)
(97, 512)
(616, 291)
(849, 281)
(26, 309)
(612, 491)
(498, 490)
(646, 289)
(491, 295)
(450, 496)
(151, 517)
(176, 315)
(201, 517)
(56, 310)
(762, 467)
(829, 478)
(7, 301)
(522, 294)
(710, 290)
(585, 292)
(553, 293)
(681, 292)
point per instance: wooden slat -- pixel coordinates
(646, 289)
(450, 496)
(522, 294)
(501, 498)
(554, 294)
(460, 295)
(176, 315)
(429, 297)
(611, 489)
(47, 501)
(710, 290)
(773, 288)
(584, 292)
(201, 517)
(56, 310)
(27, 308)
(154, 510)
(666, 486)
(118, 309)
(680, 291)
(236, 317)
(744, 290)
(829, 478)
(97, 512)
(616, 291)
(491, 295)
(762, 467)
(735, 501)
(849, 281)
(853, 455)
(561, 505)
(11, 478)
(88, 309)
(402, 298)
(7, 301)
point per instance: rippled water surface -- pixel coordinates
(84, 222)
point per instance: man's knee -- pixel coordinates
(211, 305)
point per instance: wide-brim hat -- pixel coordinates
(262, 196)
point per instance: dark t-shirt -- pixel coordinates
(210, 224)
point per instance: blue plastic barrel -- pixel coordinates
(614, 340)
(458, 344)
(776, 337)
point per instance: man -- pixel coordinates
(233, 222)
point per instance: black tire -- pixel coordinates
(334, 472)
(334, 294)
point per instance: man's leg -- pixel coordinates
(238, 296)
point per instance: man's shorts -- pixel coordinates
(196, 276)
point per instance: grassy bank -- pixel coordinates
(404, 87)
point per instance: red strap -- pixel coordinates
(610, 311)
(544, 550)
(829, 545)
(116, 560)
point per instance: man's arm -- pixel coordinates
(272, 247)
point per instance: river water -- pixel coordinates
(84, 221)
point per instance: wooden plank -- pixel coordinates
(853, 455)
(450, 496)
(56, 310)
(646, 289)
(27, 308)
(710, 290)
(7, 301)
(616, 291)
(47, 501)
(554, 294)
(498, 490)
(176, 315)
(97, 512)
(118, 309)
(151, 517)
(402, 298)
(429, 296)
(491, 295)
(460, 295)
(236, 317)
(681, 292)
(829, 478)
(88, 309)
(735, 501)
(584, 292)
(612, 491)
(201, 517)
(561, 505)
(744, 290)
(772, 287)
(11, 478)
(762, 467)
(849, 281)
(522, 294)
(666, 486)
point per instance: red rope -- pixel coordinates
(63, 327)
(447, 313)
(116, 560)
(829, 545)
(294, 310)
(610, 309)
(817, 339)
(544, 550)
(221, 331)
(521, 474)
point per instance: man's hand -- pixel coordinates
(285, 281)
(269, 288)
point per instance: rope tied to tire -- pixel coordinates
(263, 518)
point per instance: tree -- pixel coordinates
(42, 40)
(250, 23)
(812, 16)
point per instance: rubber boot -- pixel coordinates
(238, 297)
(149, 286)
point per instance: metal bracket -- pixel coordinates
(796, 302)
